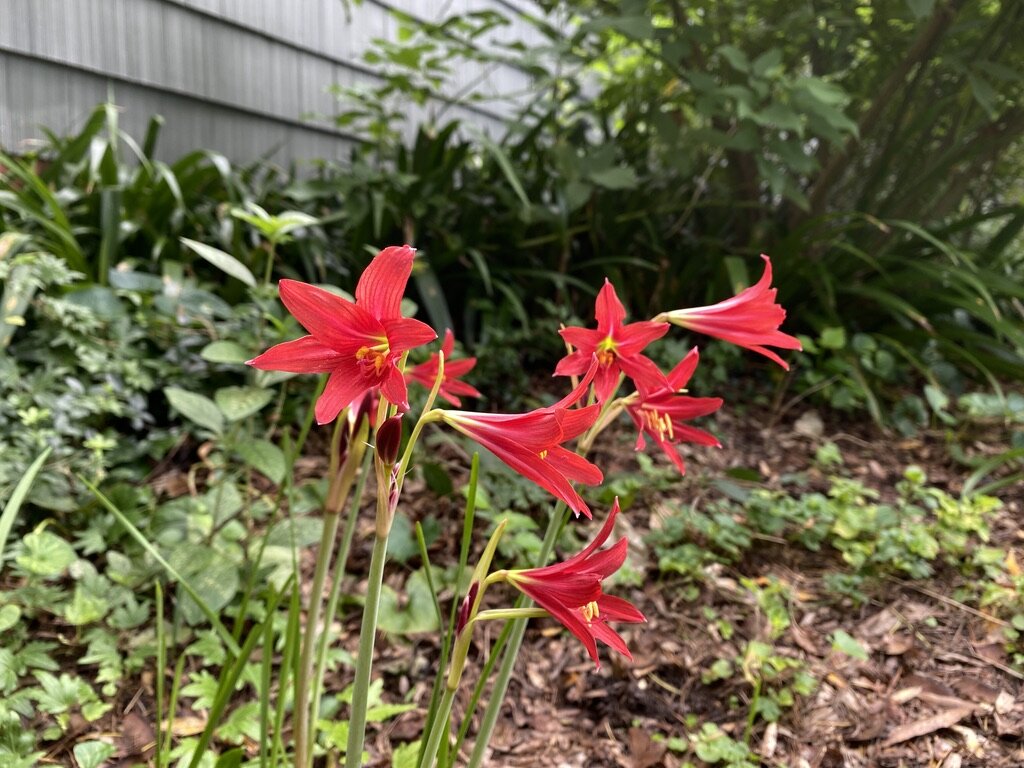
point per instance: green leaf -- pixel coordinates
(85, 607)
(619, 177)
(45, 554)
(410, 613)
(833, 338)
(736, 58)
(264, 457)
(845, 643)
(921, 9)
(225, 262)
(225, 352)
(237, 403)
(92, 754)
(196, 408)
(18, 498)
(984, 94)
(406, 755)
(9, 616)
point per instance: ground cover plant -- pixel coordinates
(817, 591)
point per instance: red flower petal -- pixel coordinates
(305, 355)
(382, 284)
(334, 321)
(405, 333)
(344, 386)
(608, 310)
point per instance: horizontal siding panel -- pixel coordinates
(214, 69)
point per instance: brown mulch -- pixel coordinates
(936, 689)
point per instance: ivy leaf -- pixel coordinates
(412, 613)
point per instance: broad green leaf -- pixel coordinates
(9, 616)
(846, 643)
(405, 756)
(237, 403)
(410, 613)
(196, 408)
(225, 262)
(93, 754)
(45, 554)
(264, 457)
(921, 9)
(619, 177)
(225, 352)
(833, 338)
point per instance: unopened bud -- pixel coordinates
(389, 439)
(466, 608)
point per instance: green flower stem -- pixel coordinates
(340, 561)
(558, 518)
(364, 661)
(342, 479)
(440, 728)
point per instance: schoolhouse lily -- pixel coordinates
(662, 415)
(750, 319)
(358, 343)
(612, 348)
(451, 388)
(571, 591)
(531, 443)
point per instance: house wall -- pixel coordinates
(245, 78)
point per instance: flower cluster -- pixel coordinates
(362, 346)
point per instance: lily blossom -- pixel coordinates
(451, 388)
(358, 343)
(613, 347)
(531, 443)
(662, 415)
(750, 319)
(571, 592)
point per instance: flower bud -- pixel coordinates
(389, 439)
(466, 608)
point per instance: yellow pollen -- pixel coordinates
(591, 611)
(660, 423)
(605, 351)
(375, 356)
(543, 454)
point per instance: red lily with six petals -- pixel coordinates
(358, 343)
(530, 443)
(662, 414)
(426, 373)
(613, 348)
(571, 591)
(750, 319)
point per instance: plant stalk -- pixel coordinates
(364, 661)
(440, 728)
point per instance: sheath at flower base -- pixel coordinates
(750, 319)
(662, 415)
(613, 348)
(359, 344)
(571, 592)
(530, 443)
(451, 388)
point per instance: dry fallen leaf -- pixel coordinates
(926, 725)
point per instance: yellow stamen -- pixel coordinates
(375, 356)
(591, 611)
(543, 454)
(605, 351)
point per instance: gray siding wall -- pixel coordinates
(241, 77)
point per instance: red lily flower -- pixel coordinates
(530, 443)
(571, 592)
(750, 319)
(358, 344)
(426, 372)
(662, 414)
(612, 347)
